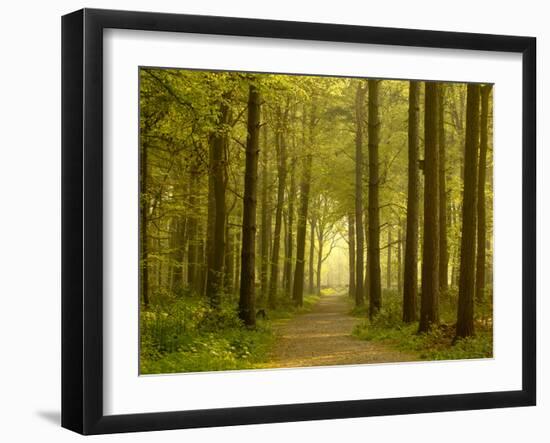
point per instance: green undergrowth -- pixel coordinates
(388, 328)
(185, 334)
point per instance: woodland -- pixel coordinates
(293, 220)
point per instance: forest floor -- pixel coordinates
(323, 337)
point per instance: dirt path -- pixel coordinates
(323, 337)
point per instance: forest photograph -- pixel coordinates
(294, 221)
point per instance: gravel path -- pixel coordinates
(323, 337)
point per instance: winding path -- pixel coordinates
(322, 337)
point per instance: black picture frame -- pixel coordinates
(82, 219)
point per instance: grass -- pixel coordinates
(184, 334)
(388, 328)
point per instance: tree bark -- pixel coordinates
(265, 226)
(359, 264)
(466, 284)
(443, 248)
(311, 260)
(320, 240)
(373, 251)
(351, 250)
(388, 264)
(481, 216)
(429, 302)
(216, 211)
(248, 253)
(290, 235)
(281, 183)
(399, 254)
(192, 246)
(305, 183)
(410, 272)
(144, 209)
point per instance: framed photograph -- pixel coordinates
(269, 221)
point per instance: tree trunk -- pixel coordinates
(248, 253)
(410, 272)
(481, 218)
(319, 259)
(229, 264)
(388, 265)
(311, 261)
(359, 264)
(290, 239)
(429, 302)
(373, 251)
(281, 179)
(216, 212)
(298, 285)
(466, 284)
(443, 248)
(266, 227)
(351, 250)
(144, 209)
(399, 254)
(192, 246)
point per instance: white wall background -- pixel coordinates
(30, 219)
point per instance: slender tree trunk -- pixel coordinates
(290, 238)
(144, 209)
(311, 261)
(481, 218)
(359, 264)
(466, 285)
(388, 265)
(281, 179)
(399, 254)
(192, 246)
(216, 213)
(319, 259)
(443, 248)
(373, 251)
(298, 285)
(247, 311)
(265, 226)
(351, 250)
(229, 263)
(410, 272)
(429, 302)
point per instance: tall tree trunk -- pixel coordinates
(290, 239)
(265, 226)
(373, 251)
(216, 212)
(399, 254)
(443, 247)
(359, 264)
(351, 250)
(192, 246)
(388, 265)
(298, 286)
(305, 183)
(429, 302)
(481, 218)
(248, 253)
(466, 284)
(281, 183)
(229, 263)
(144, 209)
(319, 259)
(410, 272)
(311, 260)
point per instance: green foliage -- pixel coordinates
(388, 328)
(187, 335)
